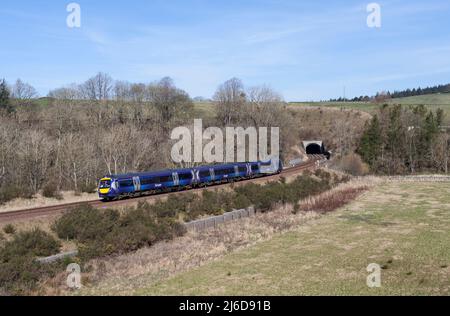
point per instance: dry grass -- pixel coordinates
(401, 226)
(124, 274)
(334, 199)
(41, 201)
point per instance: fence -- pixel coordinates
(58, 257)
(199, 225)
(213, 222)
(419, 178)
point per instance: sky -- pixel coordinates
(306, 50)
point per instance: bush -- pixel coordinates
(88, 187)
(353, 165)
(19, 271)
(105, 232)
(50, 190)
(11, 192)
(85, 223)
(36, 243)
(9, 229)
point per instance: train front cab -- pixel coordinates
(106, 188)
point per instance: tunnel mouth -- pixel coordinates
(314, 149)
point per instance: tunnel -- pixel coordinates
(314, 149)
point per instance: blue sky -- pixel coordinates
(306, 50)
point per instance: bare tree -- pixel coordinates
(71, 92)
(34, 155)
(23, 91)
(230, 96)
(168, 100)
(138, 92)
(122, 91)
(263, 95)
(98, 88)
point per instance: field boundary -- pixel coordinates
(197, 225)
(419, 178)
(213, 222)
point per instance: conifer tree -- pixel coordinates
(371, 142)
(5, 103)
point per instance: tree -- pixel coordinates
(23, 91)
(168, 99)
(122, 91)
(97, 88)
(230, 97)
(371, 142)
(5, 103)
(66, 93)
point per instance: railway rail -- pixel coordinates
(11, 216)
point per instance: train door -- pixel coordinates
(137, 184)
(236, 171)
(195, 176)
(213, 175)
(176, 179)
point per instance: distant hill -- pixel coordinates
(436, 99)
(420, 91)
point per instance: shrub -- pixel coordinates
(105, 232)
(50, 190)
(331, 201)
(19, 271)
(85, 223)
(11, 192)
(9, 229)
(88, 187)
(353, 165)
(36, 243)
(211, 203)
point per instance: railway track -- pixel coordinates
(11, 216)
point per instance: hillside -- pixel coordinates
(406, 236)
(431, 101)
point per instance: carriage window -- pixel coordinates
(255, 167)
(147, 181)
(185, 176)
(205, 174)
(224, 172)
(126, 183)
(242, 169)
(166, 179)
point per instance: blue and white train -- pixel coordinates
(116, 187)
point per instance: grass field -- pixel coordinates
(432, 101)
(403, 227)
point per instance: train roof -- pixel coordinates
(170, 171)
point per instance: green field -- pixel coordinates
(363, 106)
(431, 101)
(403, 227)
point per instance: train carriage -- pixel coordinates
(136, 184)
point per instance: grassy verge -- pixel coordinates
(155, 265)
(401, 226)
(108, 233)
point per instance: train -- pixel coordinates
(116, 187)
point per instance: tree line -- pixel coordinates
(385, 95)
(107, 127)
(406, 139)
